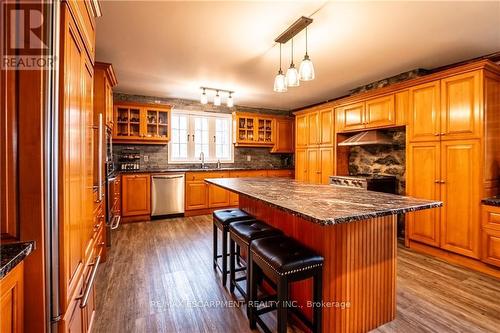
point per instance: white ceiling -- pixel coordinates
(170, 49)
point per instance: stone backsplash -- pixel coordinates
(157, 157)
(381, 159)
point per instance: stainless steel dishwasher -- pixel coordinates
(167, 194)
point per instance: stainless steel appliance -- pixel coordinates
(378, 183)
(167, 194)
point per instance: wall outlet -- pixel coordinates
(249, 158)
(146, 158)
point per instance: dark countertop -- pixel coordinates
(323, 204)
(12, 254)
(199, 170)
(493, 201)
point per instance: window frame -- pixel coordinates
(209, 158)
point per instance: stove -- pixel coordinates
(378, 183)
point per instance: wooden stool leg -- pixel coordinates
(252, 293)
(317, 298)
(232, 264)
(238, 257)
(224, 256)
(215, 246)
(282, 305)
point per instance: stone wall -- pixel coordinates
(157, 155)
(381, 159)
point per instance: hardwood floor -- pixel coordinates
(159, 278)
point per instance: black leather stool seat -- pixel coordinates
(249, 230)
(285, 255)
(226, 216)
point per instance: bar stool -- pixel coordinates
(284, 260)
(221, 220)
(242, 234)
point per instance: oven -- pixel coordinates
(374, 182)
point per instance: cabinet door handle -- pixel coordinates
(84, 297)
(442, 134)
(436, 181)
(442, 182)
(436, 134)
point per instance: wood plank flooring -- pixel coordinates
(159, 278)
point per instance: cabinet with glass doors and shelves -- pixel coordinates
(253, 130)
(141, 123)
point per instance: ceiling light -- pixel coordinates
(280, 80)
(292, 75)
(306, 69)
(217, 99)
(204, 97)
(230, 101)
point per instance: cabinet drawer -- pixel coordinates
(491, 247)
(193, 176)
(492, 218)
(248, 173)
(280, 173)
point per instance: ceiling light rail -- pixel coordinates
(217, 98)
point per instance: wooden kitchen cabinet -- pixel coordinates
(280, 173)
(141, 123)
(218, 197)
(313, 166)
(301, 173)
(326, 130)
(12, 301)
(460, 106)
(196, 195)
(136, 195)
(460, 216)
(351, 117)
(104, 81)
(327, 161)
(424, 112)
(284, 140)
(251, 130)
(301, 130)
(314, 128)
(490, 238)
(423, 181)
(380, 112)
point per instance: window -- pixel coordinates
(194, 133)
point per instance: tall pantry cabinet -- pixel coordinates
(79, 251)
(449, 158)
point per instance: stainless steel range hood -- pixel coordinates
(367, 138)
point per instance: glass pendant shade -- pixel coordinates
(204, 98)
(230, 101)
(280, 82)
(292, 76)
(306, 69)
(217, 99)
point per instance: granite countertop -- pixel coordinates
(493, 201)
(12, 254)
(323, 204)
(199, 169)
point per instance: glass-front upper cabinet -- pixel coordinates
(252, 130)
(141, 123)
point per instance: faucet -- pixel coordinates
(202, 159)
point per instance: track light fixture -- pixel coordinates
(217, 97)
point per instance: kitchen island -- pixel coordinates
(353, 229)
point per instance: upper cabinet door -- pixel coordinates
(423, 181)
(283, 136)
(302, 130)
(460, 194)
(314, 129)
(380, 112)
(424, 114)
(352, 116)
(460, 106)
(326, 128)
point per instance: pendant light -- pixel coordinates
(204, 97)
(292, 75)
(230, 101)
(280, 80)
(306, 70)
(217, 99)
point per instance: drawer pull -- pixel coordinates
(85, 296)
(116, 222)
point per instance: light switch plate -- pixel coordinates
(249, 158)
(146, 158)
